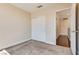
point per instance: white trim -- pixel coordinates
(62, 9)
(52, 43)
(14, 44)
(63, 34)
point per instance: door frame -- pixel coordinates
(76, 32)
(73, 28)
(72, 7)
(60, 11)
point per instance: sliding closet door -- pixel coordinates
(38, 28)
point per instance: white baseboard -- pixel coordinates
(63, 34)
(6, 46)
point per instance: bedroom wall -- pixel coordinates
(15, 25)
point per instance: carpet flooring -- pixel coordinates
(33, 47)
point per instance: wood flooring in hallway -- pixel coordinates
(63, 40)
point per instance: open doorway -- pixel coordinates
(63, 28)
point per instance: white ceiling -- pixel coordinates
(30, 7)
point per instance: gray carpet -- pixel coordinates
(33, 47)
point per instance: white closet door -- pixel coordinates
(38, 28)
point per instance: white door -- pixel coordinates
(73, 28)
(38, 28)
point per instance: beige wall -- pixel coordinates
(58, 26)
(14, 25)
(64, 27)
